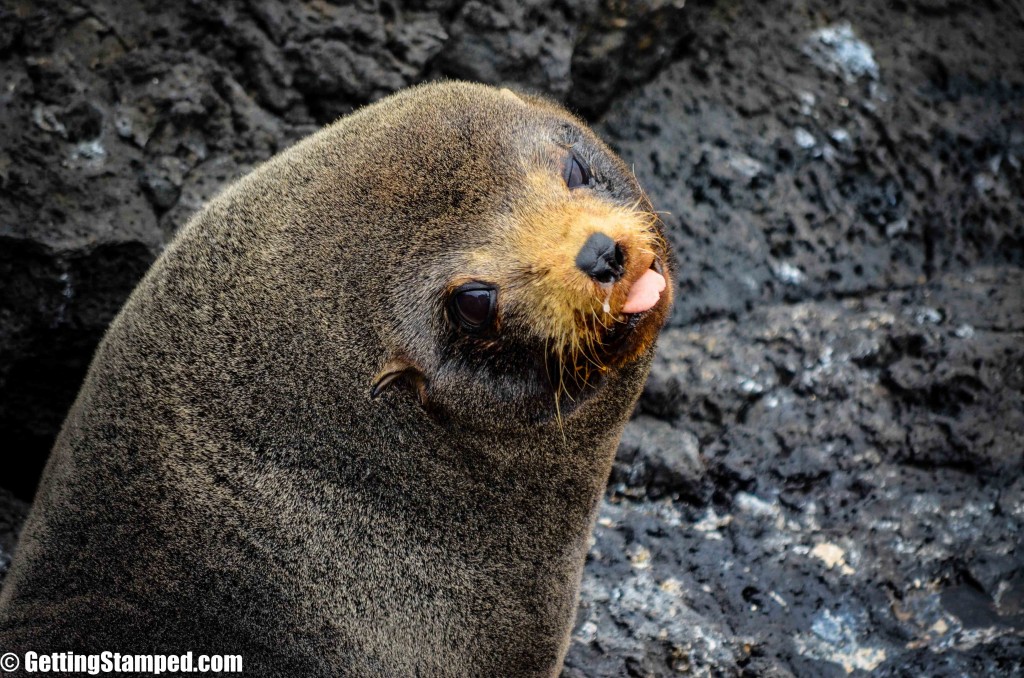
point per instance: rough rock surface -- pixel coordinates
(12, 515)
(863, 500)
(831, 152)
(825, 472)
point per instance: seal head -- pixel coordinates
(561, 277)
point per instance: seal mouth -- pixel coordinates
(646, 290)
(645, 299)
(617, 343)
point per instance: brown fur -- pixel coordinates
(224, 482)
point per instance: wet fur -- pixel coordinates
(224, 482)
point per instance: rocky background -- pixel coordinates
(825, 475)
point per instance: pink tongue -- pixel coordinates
(645, 292)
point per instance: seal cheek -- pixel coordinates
(399, 371)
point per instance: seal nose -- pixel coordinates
(601, 259)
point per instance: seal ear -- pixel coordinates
(396, 371)
(509, 94)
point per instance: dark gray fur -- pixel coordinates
(225, 484)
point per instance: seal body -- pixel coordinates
(302, 443)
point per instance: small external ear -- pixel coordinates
(509, 94)
(395, 371)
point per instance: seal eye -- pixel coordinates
(473, 305)
(576, 173)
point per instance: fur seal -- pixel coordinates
(357, 419)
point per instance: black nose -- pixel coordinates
(601, 259)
